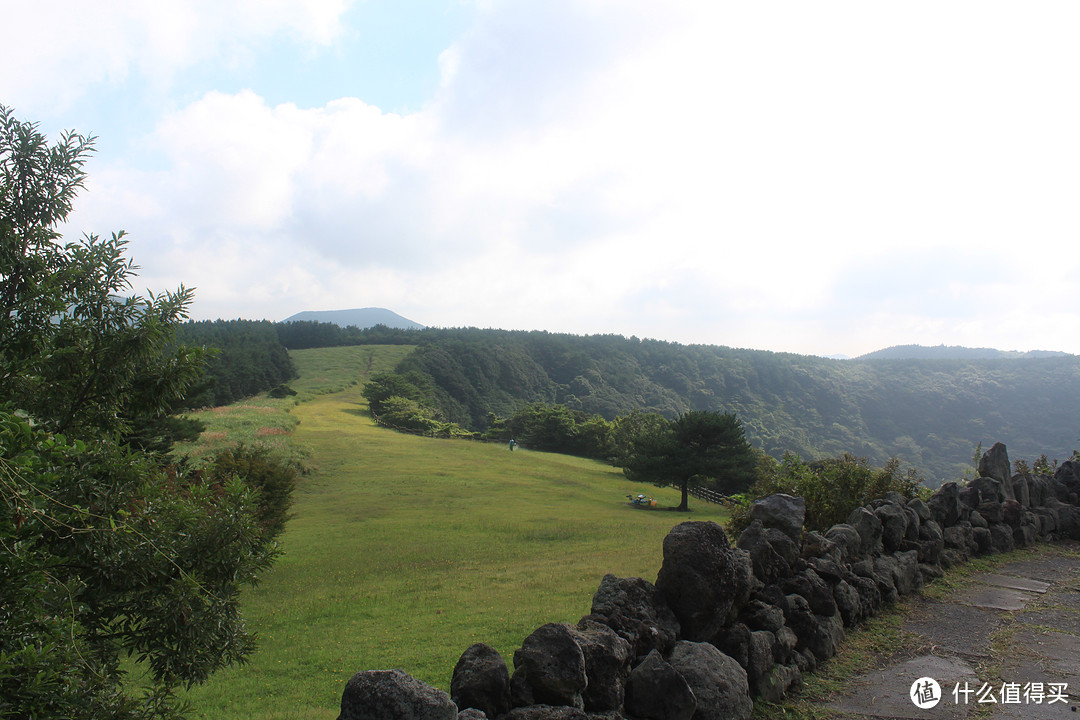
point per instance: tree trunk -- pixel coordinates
(684, 506)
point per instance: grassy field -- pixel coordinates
(404, 550)
(263, 420)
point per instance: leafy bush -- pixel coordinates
(832, 488)
(105, 555)
(556, 428)
(406, 414)
(281, 391)
(271, 478)
(382, 387)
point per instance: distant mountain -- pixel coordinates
(358, 317)
(955, 352)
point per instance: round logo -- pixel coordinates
(925, 693)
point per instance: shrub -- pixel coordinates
(282, 391)
(272, 478)
(832, 488)
(556, 428)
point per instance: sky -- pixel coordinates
(811, 177)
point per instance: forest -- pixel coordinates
(929, 413)
(246, 357)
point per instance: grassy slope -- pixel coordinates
(404, 551)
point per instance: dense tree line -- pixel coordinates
(928, 413)
(304, 334)
(246, 357)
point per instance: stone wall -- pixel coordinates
(723, 624)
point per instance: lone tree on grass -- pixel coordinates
(697, 448)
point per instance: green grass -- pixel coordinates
(267, 421)
(404, 551)
(327, 370)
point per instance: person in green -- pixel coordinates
(513, 444)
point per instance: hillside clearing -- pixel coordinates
(403, 551)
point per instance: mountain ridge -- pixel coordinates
(357, 317)
(954, 352)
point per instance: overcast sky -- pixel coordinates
(811, 177)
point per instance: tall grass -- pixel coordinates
(404, 550)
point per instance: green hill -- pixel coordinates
(405, 550)
(930, 413)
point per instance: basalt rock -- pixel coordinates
(958, 537)
(848, 603)
(760, 659)
(931, 541)
(778, 682)
(785, 513)
(984, 539)
(846, 540)
(994, 463)
(1069, 521)
(992, 512)
(702, 579)
(657, 691)
(944, 505)
(759, 615)
(921, 509)
(817, 592)
(816, 545)
(1012, 513)
(985, 489)
(718, 683)
(481, 681)
(769, 565)
(1023, 535)
(883, 571)
(1001, 538)
(906, 576)
(631, 607)
(734, 641)
(393, 695)
(868, 525)
(827, 568)
(911, 532)
(549, 668)
(607, 663)
(1021, 485)
(1039, 489)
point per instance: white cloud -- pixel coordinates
(57, 51)
(708, 172)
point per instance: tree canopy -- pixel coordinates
(105, 552)
(698, 447)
